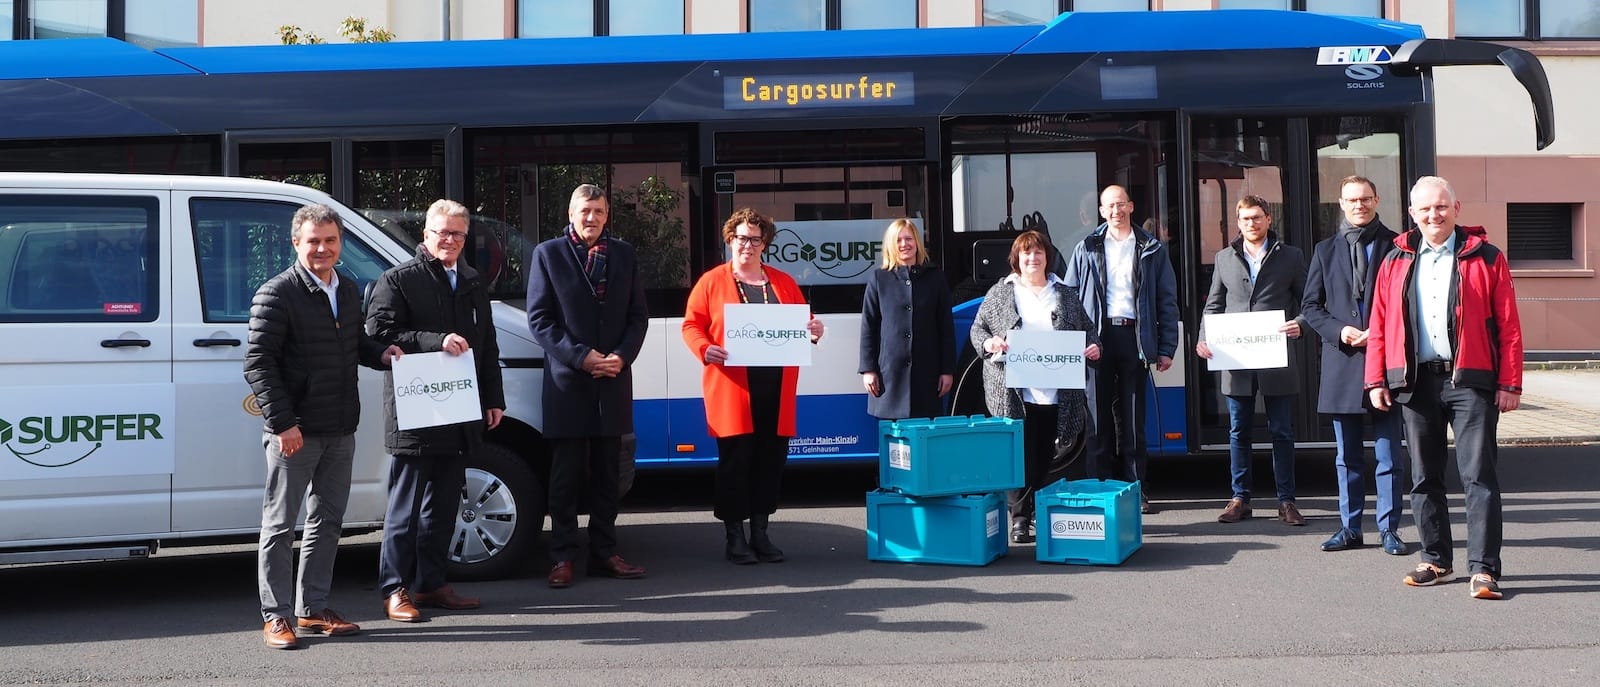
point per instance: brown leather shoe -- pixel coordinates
(400, 608)
(1290, 515)
(560, 575)
(1237, 510)
(614, 567)
(446, 598)
(328, 622)
(279, 635)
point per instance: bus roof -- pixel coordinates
(1072, 32)
(1240, 59)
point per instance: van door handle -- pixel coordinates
(124, 343)
(204, 343)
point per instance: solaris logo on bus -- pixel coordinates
(838, 259)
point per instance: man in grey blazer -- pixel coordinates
(1258, 272)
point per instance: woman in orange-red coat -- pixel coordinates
(750, 410)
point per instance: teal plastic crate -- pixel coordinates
(950, 455)
(1087, 522)
(949, 530)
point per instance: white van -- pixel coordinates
(125, 421)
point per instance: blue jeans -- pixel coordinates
(1352, 465)
(1280, 422)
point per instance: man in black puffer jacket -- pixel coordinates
(305, 342)
(426, 304)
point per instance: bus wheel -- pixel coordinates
(502, 512)
(967, 396)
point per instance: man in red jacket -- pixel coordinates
(1445, 343)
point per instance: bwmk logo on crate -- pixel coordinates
(1077, 526)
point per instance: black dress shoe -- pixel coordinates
(1342, 540)
(1393, 545)
(1021, 533)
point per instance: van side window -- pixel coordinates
(79, 258)
(240, 244)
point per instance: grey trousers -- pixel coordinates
(323, 465)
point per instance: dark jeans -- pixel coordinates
(424, 499)
(1280, 423)
(1115, 390)
(1351, 465)
(1473, 415)
(570, 458)
(1038, 451)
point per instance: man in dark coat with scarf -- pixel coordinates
(1337, 303)
(432, 302)
(586, 308)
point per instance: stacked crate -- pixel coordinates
(941, 489)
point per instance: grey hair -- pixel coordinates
(1437, 182)
(586, 192)
(315, 213)
(446, 208)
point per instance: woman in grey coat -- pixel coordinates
(908, 355)
(1032, 298)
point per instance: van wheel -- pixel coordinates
(502, 513)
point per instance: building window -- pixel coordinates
(819, 15)
(8, 20)
(1353, 8)
(1539, 231)
(567, 18)
(1015, 12)
(67, 18)
(1528, 19)
(160, 24)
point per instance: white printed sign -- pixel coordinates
(1246, 340)
(60, 431)
(1077, 526)
(899, 455)
(991, 524)
(842, 251)
(1044, 359)
(763, 334)
(432, 389)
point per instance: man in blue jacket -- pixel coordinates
(1125, 279)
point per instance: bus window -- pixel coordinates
(1362, 146)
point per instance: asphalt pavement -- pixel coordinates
(1202, 603)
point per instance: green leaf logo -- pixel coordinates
(808, 252)
(5, 431)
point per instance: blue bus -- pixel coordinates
(976, 133)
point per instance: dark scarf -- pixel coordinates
(1358, 238)
(593, 260)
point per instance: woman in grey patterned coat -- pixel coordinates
(1032, 298)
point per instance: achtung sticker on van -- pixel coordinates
(74, 431)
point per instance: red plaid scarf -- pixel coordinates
(593, 259)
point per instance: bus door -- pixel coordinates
(1046, 172)
(831, 194)
(1295, 164)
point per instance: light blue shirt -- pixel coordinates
(330, 289)
(451, 273)
(1254, 261)
(1435, 267)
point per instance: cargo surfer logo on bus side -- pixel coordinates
(795, 91)
(51, 432)
(1363, 65)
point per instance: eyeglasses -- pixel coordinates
(450, 235)
(747, 240)
(1364, 200)
(1255, 220)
